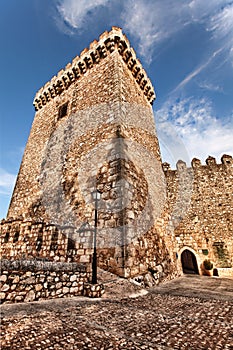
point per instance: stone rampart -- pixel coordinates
(200, 202)
(40, 240)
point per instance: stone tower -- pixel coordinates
(94, 130)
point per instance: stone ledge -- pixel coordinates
(35, 265)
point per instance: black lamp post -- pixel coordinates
(96, 196)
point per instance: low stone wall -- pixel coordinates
(225, 272)
(24, 281)
(93, 290)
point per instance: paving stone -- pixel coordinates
(155, 320)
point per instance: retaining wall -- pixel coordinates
(24, 280)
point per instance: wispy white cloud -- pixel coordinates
(205, 85)
(188, 128)
(202, 11)
(221, 25)
(7, 182)
(73, 13)
(152, 22)
(196, 71)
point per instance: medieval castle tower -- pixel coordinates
(94, 131)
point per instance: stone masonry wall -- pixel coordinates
(201, 206)
(32, 240)
(24, 281)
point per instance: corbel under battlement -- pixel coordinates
(108, 42)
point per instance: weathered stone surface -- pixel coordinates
(29, 281)
(13, 286)
(5, 288)
(2, 295)
(73, 278)
(38, 287)
(30, 296)
(65, 290)
(148, 280)
(3, 278)
(19, 298)
(93, 290)
(74, 290)
(58, 285)
(16, 279)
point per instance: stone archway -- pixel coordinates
(189, 262)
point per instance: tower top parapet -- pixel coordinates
(108, 42)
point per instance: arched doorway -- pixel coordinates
(189, 262)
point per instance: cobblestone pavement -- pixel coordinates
(149, 321)
(198, 286)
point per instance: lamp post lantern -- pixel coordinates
(96, 196)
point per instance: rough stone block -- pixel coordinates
(3, 278)
(30, 296)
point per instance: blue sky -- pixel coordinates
(186, 47)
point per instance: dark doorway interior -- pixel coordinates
(189, 262)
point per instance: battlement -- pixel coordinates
(108, 43)
(211, 163)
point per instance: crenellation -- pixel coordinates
(104, 35)
(196, 163)
(93, 44)
(227, 160)
(211, 161)
(84, 52)
(166, 166)
(107, 44)
(60, 73)
(181, 165)
(67, 67)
